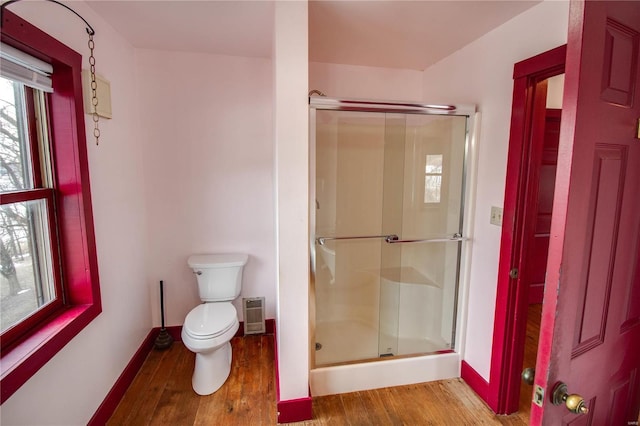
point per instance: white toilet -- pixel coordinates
(209, 327)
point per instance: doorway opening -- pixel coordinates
(533, 148)
(537, 240)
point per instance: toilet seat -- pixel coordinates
(209, 320)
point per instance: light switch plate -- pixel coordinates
(496, 216)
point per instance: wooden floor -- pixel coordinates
(161, 394)
(534, 316)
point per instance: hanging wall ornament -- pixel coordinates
(92, 62)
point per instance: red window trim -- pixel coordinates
(75, 216)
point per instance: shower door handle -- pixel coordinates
(321, 240)
(454, 237)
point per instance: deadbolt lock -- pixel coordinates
(574, 402)
(513, 273)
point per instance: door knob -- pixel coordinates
(528, 374)
(574, 402)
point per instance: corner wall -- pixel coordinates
(291, 164)
(70, 387)
(482, 74)
(207, 134)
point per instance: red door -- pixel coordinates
(539, 241)
(590, 331)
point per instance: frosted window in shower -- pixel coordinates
(432, 178)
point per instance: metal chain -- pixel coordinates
(94, 89)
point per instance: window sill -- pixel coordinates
(24, 359)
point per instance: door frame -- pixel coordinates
(511, 297)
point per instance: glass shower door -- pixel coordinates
(388, 204)
(420, 269)
(349, 201)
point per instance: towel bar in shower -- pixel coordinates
(454, 237)
(321, 240)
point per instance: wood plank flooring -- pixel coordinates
(445, 402)
(534, 316)
(161, 394)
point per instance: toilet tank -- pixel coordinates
(219, 276)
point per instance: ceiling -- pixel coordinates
(383, 33)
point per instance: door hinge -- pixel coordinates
(638, 129)
(513, 273)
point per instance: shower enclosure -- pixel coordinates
(387, 195)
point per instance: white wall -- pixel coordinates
(359, 82)
(482, 73)
(291, 150)
(555, 91)
(70, 387)
(207, 131)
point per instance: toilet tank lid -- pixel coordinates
(217, 260)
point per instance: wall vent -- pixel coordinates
(253, 308)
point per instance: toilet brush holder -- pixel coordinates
(164, 339)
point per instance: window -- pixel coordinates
(49, 286)
(30, 286)
(432, 178)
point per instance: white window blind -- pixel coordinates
(19, 66)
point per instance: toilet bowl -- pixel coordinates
(207, 331)
(209, 327)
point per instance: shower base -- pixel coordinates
(348, 341)
(345, 341)
(385, 373)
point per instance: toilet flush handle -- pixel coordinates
(197, 272)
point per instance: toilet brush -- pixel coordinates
(164, 339)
